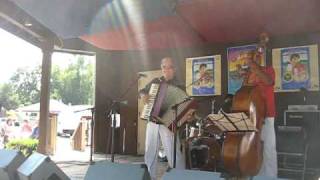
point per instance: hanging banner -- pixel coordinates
(296, 68)
(203, 76)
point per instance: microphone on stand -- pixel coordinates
(90, 108)
(185, 100)
(125, 102)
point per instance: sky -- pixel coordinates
(17, 53)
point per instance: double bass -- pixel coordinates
(242, 150)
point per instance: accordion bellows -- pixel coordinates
(159, 108)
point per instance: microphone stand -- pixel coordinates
(213, 101)
(174, 129)
(91, 132)
(112, 112)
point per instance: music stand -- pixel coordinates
(174, 128)
(233, 122)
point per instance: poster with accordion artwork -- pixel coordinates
(296, 68)
(203, 76)
(237, 67)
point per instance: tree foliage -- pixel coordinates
(26, 85)
(73, 84)
(8, 99)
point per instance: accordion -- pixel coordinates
(162, 97)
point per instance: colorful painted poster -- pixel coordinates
(237, 67)
(296, 67)
(202, 77)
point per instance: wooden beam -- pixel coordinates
(47, 49)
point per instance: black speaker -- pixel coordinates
(310, 122)
(10, 160)
(291, 139)
(174, 174)
(105, 170)
(39, 166)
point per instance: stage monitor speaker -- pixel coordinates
(173, 174)
(39, 166)
(310, 122)
(266, 178)
(10, 160)
(105, 170)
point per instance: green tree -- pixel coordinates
(71, 85)
(26, 85)
(56, 82)
(77, 82)
(8, 99)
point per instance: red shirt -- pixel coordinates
(26, 128)
(267, 91)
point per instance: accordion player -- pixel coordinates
(162, 96)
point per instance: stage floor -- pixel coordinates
(76, 170)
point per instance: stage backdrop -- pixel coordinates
(142, 123)
(236, 64)
(203, 76)
(296, 67)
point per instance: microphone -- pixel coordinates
(142, 75)
(183, 101)
(90, 108)
(124, 102)
(245, 67)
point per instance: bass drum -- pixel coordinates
(203, 153)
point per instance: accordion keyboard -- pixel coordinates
(147, 108)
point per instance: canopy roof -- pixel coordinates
(158, 24)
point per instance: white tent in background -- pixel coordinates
(32, 112)
(55, 107)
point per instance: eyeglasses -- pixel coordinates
(167, 67)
